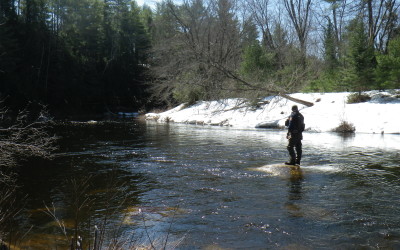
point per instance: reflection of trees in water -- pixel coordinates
(346, 136)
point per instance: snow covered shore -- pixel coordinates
(379, 115)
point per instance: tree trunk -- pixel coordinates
(308, 104)
(371, 27)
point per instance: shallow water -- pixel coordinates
(206, 187)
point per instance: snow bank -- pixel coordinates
(379, 115)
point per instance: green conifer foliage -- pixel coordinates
(75, 56)
(388, 70)
(360, 73)
(330, 53)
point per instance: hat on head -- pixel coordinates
(295, 108)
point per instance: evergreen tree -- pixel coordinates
(359, 74)
(329, 78)
(9, 58)
(70, 54)
(257, 64)
(147, 19)
(282, 48)
(7, 10)
(330, 54)
(249, 33)
(388, 70)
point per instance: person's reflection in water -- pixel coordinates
(295, 191)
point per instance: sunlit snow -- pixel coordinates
(379, 115)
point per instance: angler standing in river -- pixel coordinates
(295, 124)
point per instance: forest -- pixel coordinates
(96, 56)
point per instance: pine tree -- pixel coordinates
(388, 70)
(362, 62)
(330, 53)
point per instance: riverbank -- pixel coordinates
(329, 110)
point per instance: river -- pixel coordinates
(202, 187)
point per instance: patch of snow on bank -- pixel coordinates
(379, 115)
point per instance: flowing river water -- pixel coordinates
(202, 187)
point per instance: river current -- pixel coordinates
(201, 187)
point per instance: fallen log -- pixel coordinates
(308, 104)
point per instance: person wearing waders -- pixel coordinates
(295, 124)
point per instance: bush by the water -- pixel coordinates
(345, 127)
(357, 98)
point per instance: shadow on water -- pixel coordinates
(205, 187)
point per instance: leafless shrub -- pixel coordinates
(25, 136)
(51, 211)
(8, 208)
(344, 127)
(22, 137)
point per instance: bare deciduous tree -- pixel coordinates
(204, 42)
(24, 137)
(299, 12)
(201, 53)
(382, 17)
(260, 10)
(21, 138)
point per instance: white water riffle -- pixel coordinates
(379, 115)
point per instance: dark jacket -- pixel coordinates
(295, 122)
